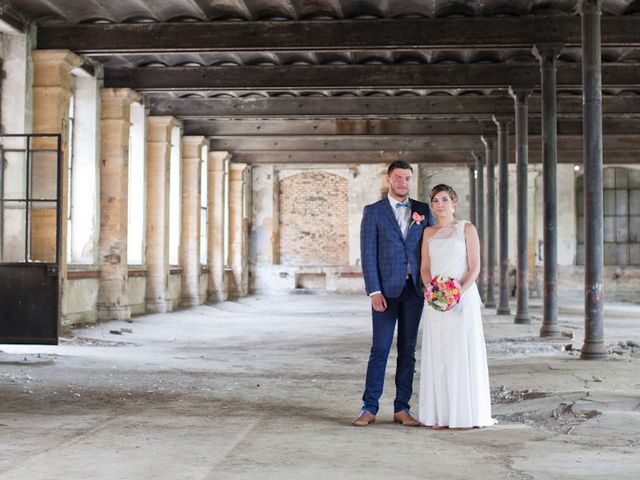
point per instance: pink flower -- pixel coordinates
(417, 218)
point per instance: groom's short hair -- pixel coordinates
(399, 164)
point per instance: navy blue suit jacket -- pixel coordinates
(385, 253)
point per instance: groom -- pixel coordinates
(390, 241)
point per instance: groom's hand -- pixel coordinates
(378, 302)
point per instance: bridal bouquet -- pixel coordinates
(442, 293)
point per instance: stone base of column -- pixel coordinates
(503, 310)
(522, 319)
(158, 306)
(490, 304)
(109, 313)
(593, 351)
(550, 331)
(189, 302)
(217, 296)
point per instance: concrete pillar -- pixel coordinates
(593, 348)
(238, 232)
(521, 97)
(503, 214)
(479, 220)
(113, 302)
(52, 91)
(490, 235)
(190, 233)
(217, 289)
(547, 55)
(159, 131)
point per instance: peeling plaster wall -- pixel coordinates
(455, 176)
(17, 106)
(80, 302)
(366, 185)
(136, 288)
(174, 290)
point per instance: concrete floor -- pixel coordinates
(266, 388)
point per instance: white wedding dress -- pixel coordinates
(454, 380)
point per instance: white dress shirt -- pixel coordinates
(403, 215)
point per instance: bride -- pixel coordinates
(454, 384)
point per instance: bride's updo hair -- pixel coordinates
(444, 188)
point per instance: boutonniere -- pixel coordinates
(417, 218)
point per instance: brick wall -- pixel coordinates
(314, 227)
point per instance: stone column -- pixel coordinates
(113, 302)
(238, 234)
(52, 91)
(190, 232)
(157, 232)
(547, 55)
(479, 156)
(593, 348)
(217, 290)
(503, 214)
(521, 97)
(490, 243)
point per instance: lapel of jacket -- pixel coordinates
(412, 225)
(386, 208)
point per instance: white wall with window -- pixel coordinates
(227, 260)
(82, 213)
(203, 204)
(175, 197)
(136, 187)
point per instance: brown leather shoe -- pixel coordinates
(364, 419)
(405, 419)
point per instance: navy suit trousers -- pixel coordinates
(406, 310)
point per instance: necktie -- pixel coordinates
(405, 204)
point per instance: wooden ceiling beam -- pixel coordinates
(468, 107)
(390, 126)
(434, 143)
(349, 77)
(612, 157)
(354, 35)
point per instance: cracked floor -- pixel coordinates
(266, 387)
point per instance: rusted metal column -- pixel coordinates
(547, 55)
(521, 97)
(503, 214)
(593, 348)
(490, 244)
(479, 220)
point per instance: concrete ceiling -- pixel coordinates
(208, 61)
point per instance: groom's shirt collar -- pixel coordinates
(393, 201)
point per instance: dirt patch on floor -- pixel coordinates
(502, 395)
